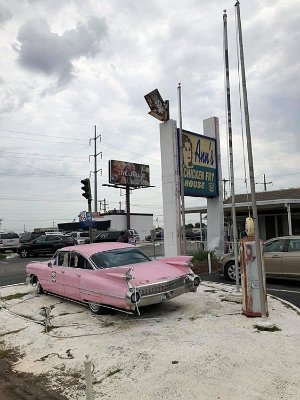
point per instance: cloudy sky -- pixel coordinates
(69, 65)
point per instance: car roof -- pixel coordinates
(284, 237)
(90, 249)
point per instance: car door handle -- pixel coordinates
(276, 256)
(79, 275)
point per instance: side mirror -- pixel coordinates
(50, 264)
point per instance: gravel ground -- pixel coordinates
(197, 346)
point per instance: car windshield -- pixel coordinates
(119, 257)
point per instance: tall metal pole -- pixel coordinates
(128, 206)
(230, 147)
(95, 170)
(251, 169)
(95, 166)
(182, 229)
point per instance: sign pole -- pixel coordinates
(90, 228)
(182, 228)
(251, 169)
(128, 206)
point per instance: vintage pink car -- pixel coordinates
(112, 275)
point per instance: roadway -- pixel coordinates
(12, 271)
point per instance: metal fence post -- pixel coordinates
(209, 263)
(88, 379)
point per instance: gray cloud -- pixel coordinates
(47, 52)
(5, 14)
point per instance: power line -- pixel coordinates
(41, 134)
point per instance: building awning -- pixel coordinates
(76, 226)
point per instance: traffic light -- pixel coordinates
(86, 189)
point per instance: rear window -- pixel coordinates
(9, 235)
(119, 257)
(84, 234)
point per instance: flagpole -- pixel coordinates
(251, 169)
(230, 147)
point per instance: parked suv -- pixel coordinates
(29, 236)
(9, 241)
(108, 236)
(45, 244)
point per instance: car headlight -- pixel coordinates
(197, 281)
(194, 279)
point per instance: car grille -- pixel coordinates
(161, 287)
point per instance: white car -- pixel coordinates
(9, 241)
(81, 237)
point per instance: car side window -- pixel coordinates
(77, 260)
(294, 245)
(63, 259)
(274, 246)
(40, 239)
(88, 265)
(52, 238)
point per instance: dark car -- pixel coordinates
(158, 236)
(45, 244)
(191, 235)
(30, 236)
(108, 236)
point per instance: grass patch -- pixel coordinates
(272, 328)
(6, 353)
(202, 255)
(14, 296)
(2, 256)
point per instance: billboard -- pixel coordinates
(127, 173)
(199, 158)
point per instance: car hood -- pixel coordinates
(153, 271)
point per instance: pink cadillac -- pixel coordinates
(112, 275)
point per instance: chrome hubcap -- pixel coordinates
(231, 272)
(94, 307)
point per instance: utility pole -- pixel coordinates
(230, 147)
(250, 162)
(104, 205)
(264, 183)
(95, 166)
